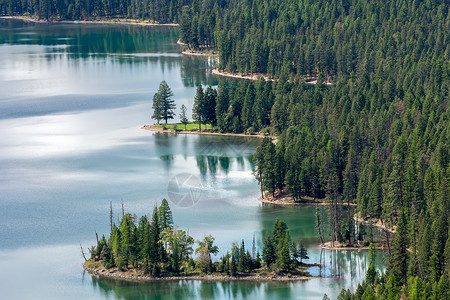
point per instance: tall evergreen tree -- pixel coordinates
(210, 105)
(163, 104)
(165, 218)
(397, 265)
(183, 116)
(198, 111)
(268, 252)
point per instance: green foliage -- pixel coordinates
(199, 110)
(165, 218)
(268, 251)
(279, 251)
(303, 253)
(397, 266)
(208, 242)
(163, 104)
(161, 12)
(183, 116)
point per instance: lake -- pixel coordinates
(73, 100)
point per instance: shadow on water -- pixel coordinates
(183, 289)
(213, 155)
(192, 289)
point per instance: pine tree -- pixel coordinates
(183, 116)
(258, 158)
(127, 238)
(144, 241)
(242, 264)
(303, 253)
(269, 168)
(175, 258)
(247, 109)
(397, 265)
(163, 104)
(210, 105)
(222, 105)
(283, 259)
(156, 251)
(268, 252)
(198, 111)
(157, 108)
(165, 218)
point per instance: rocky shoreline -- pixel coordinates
(116, 274)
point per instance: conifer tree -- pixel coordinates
(303, 253)
(163, 104)
(198, 111)
(268, 252)
(183, 116)
(210, 105)
(397, 265)
(269, 168)
(156, 251)
(242, 264)
(165, 218)
(222, 105)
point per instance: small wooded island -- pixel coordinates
(155, 249)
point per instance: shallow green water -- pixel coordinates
(72, 101)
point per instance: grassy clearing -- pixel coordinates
(191, 126)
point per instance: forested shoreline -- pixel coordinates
(379, 137)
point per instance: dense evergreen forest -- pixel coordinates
(159, 11)
(379, 137)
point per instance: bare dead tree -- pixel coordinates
(82, 253)
(110, 215)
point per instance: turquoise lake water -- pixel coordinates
(73, 100)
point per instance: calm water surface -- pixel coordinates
(72, 101)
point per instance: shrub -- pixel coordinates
(251, 130)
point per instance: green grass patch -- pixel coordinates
(189, 127)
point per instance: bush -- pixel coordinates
(174, 127)
(251, 131)
(265, 131)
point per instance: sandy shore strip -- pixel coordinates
(114, 273)
(343, 246)
(101, 21)
(374, 224)
(257, 76)
(285, 200)
(153, 128)
(241, 76)
(199, 53)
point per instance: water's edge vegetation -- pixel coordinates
(145, 250)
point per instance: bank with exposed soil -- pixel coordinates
(135, 275)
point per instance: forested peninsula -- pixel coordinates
(154, 249)
(378, 137)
